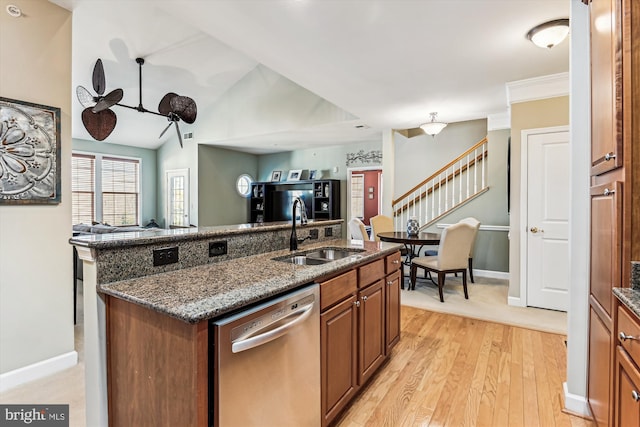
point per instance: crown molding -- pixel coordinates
(499, 121)
(543, 87)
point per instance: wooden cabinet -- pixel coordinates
(358, 325)
(606, 243)
(157, 368)
(627, 392)
(615, 201)
(393, 285)
(339, 357)
(606, 85)
(371, 328)
(627, 374)
(599, 384)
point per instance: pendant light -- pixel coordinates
(433, 127)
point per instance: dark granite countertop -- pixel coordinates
(135, 238)
(208, 291)
(629, 297)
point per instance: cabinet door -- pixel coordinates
(599, 370)
(606, 242)
(628, 391)
(371, 329)
(392, 312)
(339, 360)
(606, 85)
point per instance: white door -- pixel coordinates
(547, 218)
(178, 198)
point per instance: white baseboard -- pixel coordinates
(37, 370)
(575, 404)
(491, 274)
(515, 301)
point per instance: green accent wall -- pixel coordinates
(148, 176)
(218, 170)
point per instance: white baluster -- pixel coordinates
(468, 173)
(484, 166)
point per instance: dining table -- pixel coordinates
(413, 243)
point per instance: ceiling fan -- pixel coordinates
(100, 120)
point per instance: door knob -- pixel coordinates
(534, 230)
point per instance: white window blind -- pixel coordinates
(82, 187)
(105, 189)
(120, 191)
(357, 196)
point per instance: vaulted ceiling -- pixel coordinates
(379, 63)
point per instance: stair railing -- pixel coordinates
(453, 185)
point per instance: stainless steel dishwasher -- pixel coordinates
(267, 363)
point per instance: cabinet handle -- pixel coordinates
(624, 337)
(390, 283)
(364, 298)
(635, 395)
(357, 303)
(609, 156)
(395, 261)
(608, 192)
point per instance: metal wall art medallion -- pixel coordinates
(29, 153)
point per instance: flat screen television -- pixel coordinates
(282, 200)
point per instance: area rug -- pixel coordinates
(487, 301)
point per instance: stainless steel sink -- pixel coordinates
(331, 254)
(305, 260)
(318, 256)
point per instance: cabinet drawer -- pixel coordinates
(629, 325)
(370, 273)
(393, 262)
(338, 288)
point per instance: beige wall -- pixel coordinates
(527, 115)
(36, 282)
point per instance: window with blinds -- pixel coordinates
(357, 196)
(82, 188)
(120, 191)
(105, 189)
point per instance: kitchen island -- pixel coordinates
(180, 299)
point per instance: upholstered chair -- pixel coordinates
(453, 255)
(357, 229)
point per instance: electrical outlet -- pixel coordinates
(217, 248)
(313, 233)
(164, 256)
(328, 232)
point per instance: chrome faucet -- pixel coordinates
(293, 240)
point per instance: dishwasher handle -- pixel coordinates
(301, 313)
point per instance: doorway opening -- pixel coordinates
(364, 193)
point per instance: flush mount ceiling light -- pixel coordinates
(549, 34)
(100, 121)
(433, 127)
(14, 11)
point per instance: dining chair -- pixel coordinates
(476, 225)
(453, 254)
(357, 229)
(380, 224)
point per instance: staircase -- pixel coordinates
(458, 182)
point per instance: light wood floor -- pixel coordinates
(455, 371)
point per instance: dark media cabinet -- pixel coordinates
(271, 201)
